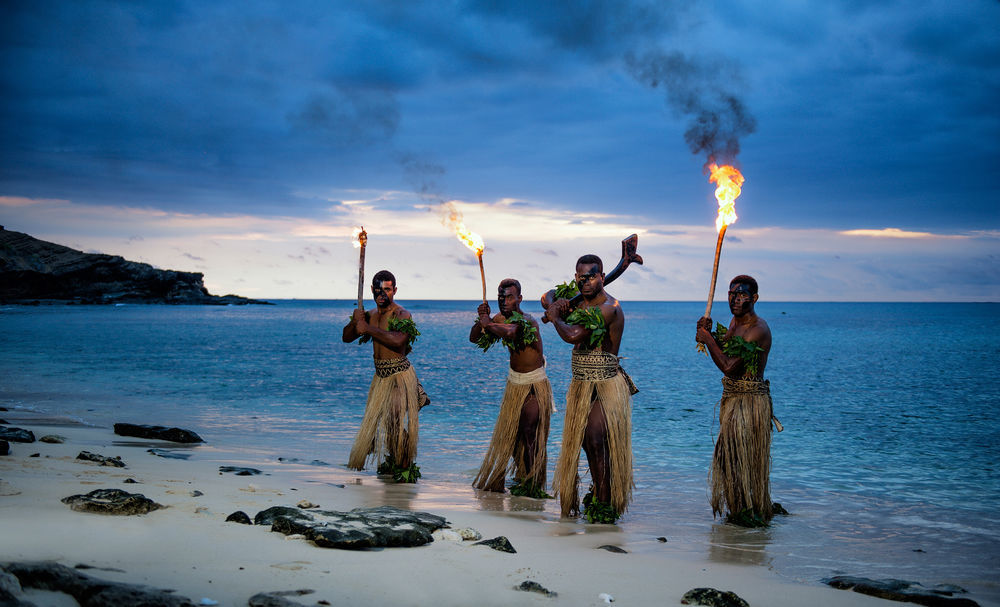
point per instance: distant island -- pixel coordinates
(33, 271)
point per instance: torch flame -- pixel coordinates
(469, 238)
(359, 237)
(729, 181)
(454, 220)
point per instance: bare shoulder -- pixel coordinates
(401, 313)
(760, 333)
(612, 308)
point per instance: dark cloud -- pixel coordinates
(545, 252)
(194, 257)
(881, 111)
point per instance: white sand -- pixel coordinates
(189, 548)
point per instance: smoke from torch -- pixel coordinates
(473, 241)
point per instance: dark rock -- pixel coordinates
(614, 549)
(277, 599)
(712, 598)
(661, 539)
(3, 421)
(295, 460)
(196, 493)
(112, 501)
(239, 517)
(174, 435)
(360, 528)
(89, 591)
(35, 455)
(102, 460)
(529, 586)
(500, 543)
(17, 435)
(10, 589)
(902, 590)
(32, 270)
(238, 471)
(4, 447)
(267, 517)
(53, 439)
(777, 508)
(130, 481)
(168, 454)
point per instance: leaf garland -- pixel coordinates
(529, 488)
(737, 347)
(526, 334)
(403, 325)
(566, 290)
(598, 512)
(399, 474)
(592, 319)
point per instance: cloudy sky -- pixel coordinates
(245, 139)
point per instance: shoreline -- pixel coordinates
(190, 548)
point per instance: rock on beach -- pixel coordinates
(112, 501)
(174, 435)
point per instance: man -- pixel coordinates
(389, 429)
(741, 465)
(599, 400)
(522, 428)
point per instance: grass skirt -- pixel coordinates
(616, 401)
(741, 467)
(389, 426)
(506, 453)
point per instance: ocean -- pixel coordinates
(887, 464)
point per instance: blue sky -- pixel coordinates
(246, 139)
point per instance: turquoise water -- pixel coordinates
(888, 461)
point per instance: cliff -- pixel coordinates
(33, 270)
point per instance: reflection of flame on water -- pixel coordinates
(729, 181)
(469, 238)
(359, 237)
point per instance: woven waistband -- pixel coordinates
(594, 365)
(391, 366)
(745, 386)
(524, 379)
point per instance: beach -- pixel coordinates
(888, 471)
(190, 548)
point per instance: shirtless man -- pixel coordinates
(598, 402)
(522, 428)
(389, 429)
(741, 466)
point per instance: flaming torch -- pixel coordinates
(360, 242)
(729, 182)
(453, 219)
(475, 243)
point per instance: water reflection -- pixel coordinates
(493, 501)
(732, 544)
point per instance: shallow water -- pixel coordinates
(888, 461)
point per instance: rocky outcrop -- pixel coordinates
(17, 435)
(942, 595)
(112, 501)
(33, 270)
(710, 597)
(174, 435)
(88, 591)
(360, 528)
(101, 459)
